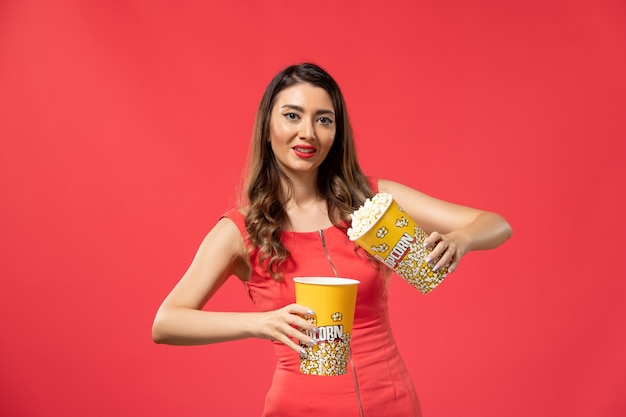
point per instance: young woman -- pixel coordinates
(304, 182)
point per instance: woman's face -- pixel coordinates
(302, 128)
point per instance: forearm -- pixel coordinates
(185, 326)
(487, 231)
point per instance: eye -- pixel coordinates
(325, 120)
(291, 116)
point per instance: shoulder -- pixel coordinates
(223, 250)
(227, 239)
(237, 217)
(229, 231)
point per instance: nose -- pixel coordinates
(307, 129)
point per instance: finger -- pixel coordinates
(300, 324)
(442, 254)
(292, 345)
(452, 266)
(450, 259)
(294, 339)
(437, 252)
(432, 239)
(300, 310)
(443, 261)
(454, 263)
(298, 317)
(304, 338)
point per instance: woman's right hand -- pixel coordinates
(283, 326)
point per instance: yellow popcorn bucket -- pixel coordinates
(398, 242)
(333, 300)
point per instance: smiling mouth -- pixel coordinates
(304, 150)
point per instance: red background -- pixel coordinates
(123, 130)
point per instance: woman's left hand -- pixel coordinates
(445, 249)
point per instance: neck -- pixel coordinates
(304, 192)
(306, 208)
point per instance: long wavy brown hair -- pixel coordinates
(340, 179)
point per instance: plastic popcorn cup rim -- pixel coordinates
(326, 281)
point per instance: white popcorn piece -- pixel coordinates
(368, 214)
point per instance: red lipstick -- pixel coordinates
(304, 151)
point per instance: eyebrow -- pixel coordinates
(301, 109)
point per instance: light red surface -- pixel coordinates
(123, 130)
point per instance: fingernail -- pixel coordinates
(428, 260)
(426, 244)
(310, 312)
(303, 353)
(436, 268)
(315, 330)
(313, 342)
